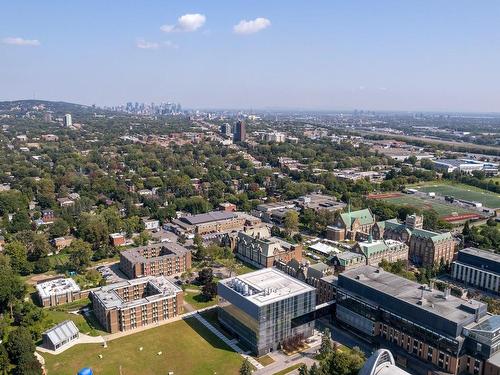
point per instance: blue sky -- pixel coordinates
(325, 54)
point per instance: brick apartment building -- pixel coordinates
(163, 259)
(136, 303)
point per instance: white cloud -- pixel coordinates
(16, 41)
(186, 23)
(143, 44)
(253, 26)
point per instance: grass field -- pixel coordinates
(197, 300)
(461, 191)
(187, 348)
(288, 369)
(426, 204)
(88, 325)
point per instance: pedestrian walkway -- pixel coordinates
(228, 342)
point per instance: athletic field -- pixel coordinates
(444, 210)
(461, 191)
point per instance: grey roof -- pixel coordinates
(427, 307)
(167, 249)
(57, 287)
(161, 288)
(62, 332)
(266, 286)
(485, 254)
(208, 217)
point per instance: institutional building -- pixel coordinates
(356, 225)
(426, 248)
(381, 363)
(465, 166)
(162, 259)
(420, 325)
(265, 308)
(58, 291)
(375, 251)
(260, 249)
(136, 303)
(477, 268)
(215, 222)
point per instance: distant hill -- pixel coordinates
(20, 107)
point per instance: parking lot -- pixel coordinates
(111, 273)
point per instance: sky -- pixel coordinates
(420, 55)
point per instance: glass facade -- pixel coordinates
(264, 328)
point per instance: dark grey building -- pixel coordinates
(477, 268)
(266, 307)
(417, 322)
(240, 131)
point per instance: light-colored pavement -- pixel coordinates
(228, 342)
(283, 361)
(82, 339)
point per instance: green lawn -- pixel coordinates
(197, 300)
(462, 191)
(88, 324)
(288, 369)
(187, 348)
(426, 204)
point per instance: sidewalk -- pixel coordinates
(228, 342)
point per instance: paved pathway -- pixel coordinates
(228, 342)
(82, 339)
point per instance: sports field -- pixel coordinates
(461, 191)
(186, 347)
(409, 200)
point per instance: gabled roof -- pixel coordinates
(364, 216)
(435, 237)
(62, 332)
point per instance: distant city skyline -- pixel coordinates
(283, 55)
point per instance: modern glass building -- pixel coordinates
(266, 307)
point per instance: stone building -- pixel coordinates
(426, 248)
(262, 250)
(356, 225)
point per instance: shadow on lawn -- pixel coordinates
(206, 334)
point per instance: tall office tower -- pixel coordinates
(225, 129)
(240, 132)
(67, 121)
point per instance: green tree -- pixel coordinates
(80, 255)
(29, 365)
(245, 368)
(18, 257)
(303, 370)
(12, 287)
(326, 344)
(59, 228)
(4, 360)
(20, 345)
(291, 221)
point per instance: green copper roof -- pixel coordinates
(435, 237)
(365, 217)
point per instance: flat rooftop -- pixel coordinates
(452, 308)
(267, 286)
(57, 287)
(161, 286)
(208, 217)
(166, 249)
(485, 254)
